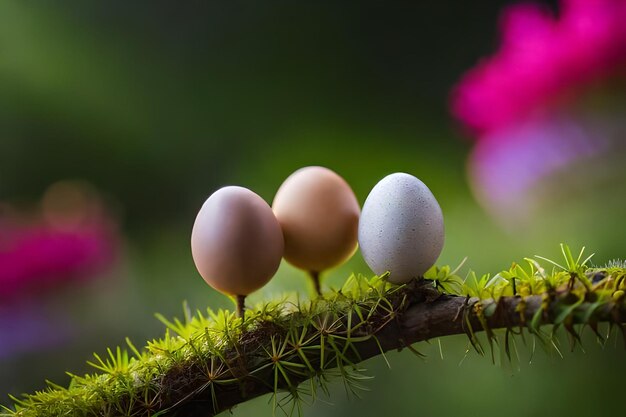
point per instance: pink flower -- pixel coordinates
(38, 257)
(530, 106)
(543, 60)
(71, 240)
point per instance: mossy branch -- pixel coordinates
(421, 319)
(219, 361)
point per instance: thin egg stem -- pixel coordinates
(315, 276)
(241, 306)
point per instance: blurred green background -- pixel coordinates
(160, 103)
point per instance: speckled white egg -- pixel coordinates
(237, 243)
(401, 228)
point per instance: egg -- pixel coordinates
(236, 242)
(401, 228)
(319, 216)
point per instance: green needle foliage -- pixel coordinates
(210, 361)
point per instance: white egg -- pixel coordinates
(401, 228)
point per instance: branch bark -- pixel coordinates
(425, 316)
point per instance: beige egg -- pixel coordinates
(236, 242)
(319, 215)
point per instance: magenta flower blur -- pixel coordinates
(38, 257)
(70, 237)
(531, 105)
(542, 60)
(67, 239)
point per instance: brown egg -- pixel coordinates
(319, 215)
(236, 242)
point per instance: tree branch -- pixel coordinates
(206, 370)
(426, 316)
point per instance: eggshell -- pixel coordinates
(319, 215)
(236, 242)
(401, 228)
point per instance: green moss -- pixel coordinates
(212, 360)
